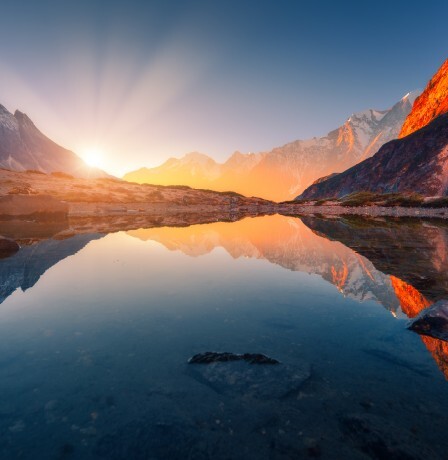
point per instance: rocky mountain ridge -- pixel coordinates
(415, 163)
(430, 104)
(23, 147)
(285, 171)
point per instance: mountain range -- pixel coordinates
(417, 162)
(402, 149)
(285, 171)
(23, 147)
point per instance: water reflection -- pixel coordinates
(413, 250)
(385, 251)
(287, 242)
(93, 357)
(401, 264)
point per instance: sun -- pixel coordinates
(93, 156)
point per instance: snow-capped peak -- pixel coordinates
(412, 96)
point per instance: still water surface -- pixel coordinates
(97, 330)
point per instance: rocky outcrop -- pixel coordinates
(222, 357)
(432, 321)
(430, 104)
(108, 196)
(417, 163)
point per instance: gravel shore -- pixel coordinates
(368, 211)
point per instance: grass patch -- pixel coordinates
(407, 200)
(413, 200)
(362, 199)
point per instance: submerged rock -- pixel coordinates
(214, 357)
(381, 439)
(432, 321)
(7, 247)
(229, 373)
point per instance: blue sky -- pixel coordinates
(144, 80)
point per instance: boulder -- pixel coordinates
(432, 321)
(246, 376)
(8, 247)
(214, 357)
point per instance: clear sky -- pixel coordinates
(145, 80)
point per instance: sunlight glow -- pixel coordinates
(93, 157)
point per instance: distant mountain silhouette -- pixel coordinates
(285, 171)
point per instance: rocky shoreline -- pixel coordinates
(31, 195)
(367, 211)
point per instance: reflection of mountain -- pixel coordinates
(24, 269)
(288, 243)
(391, 260)
(415, 251)
(412, 303)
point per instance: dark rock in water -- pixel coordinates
(432, 321)
(227, 373)
(7, 247)
(215, 357)
(380, 439)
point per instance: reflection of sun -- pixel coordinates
(92, 157)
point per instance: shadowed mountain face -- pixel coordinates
(417, 163)
(285, 171)
(23, 147)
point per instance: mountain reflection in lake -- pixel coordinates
(97, 329)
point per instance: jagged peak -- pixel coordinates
(196, 156)
(4, 110)
(412, 96)
(377, 115)
(23, 118)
